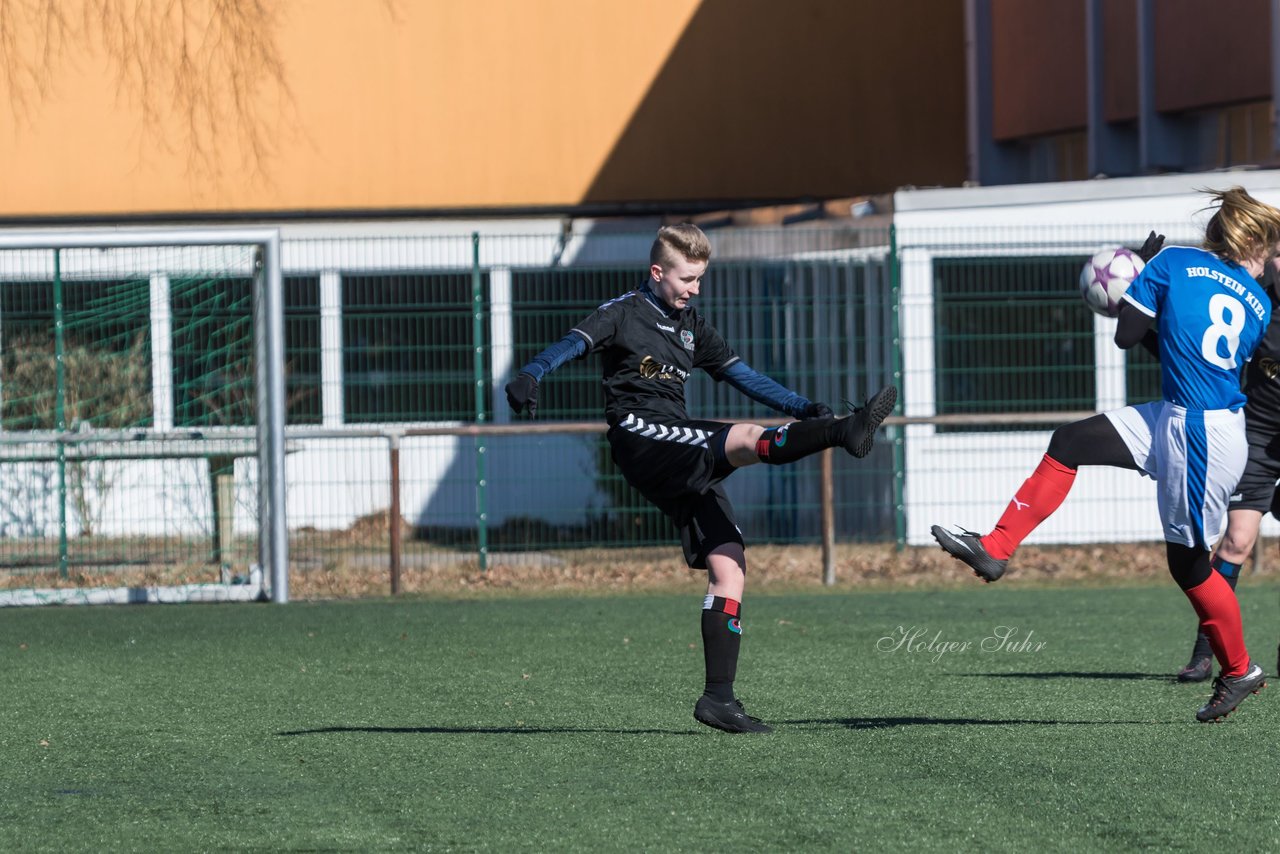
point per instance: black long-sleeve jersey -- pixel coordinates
(649, 352)
(1262, 381)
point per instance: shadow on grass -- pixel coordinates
(1075, 674)
(481, 730)
(887, 723)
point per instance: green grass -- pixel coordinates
(565, 724)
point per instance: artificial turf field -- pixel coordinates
(564, 724)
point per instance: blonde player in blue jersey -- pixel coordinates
(1207, 314)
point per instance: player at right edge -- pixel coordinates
(1208, 313)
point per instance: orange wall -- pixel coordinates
(430, 104)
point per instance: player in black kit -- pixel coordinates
(1255, 494)
(650, 341)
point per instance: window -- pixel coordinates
(1012, 336)
(106, 354)
(213, 351)
(409, 348)
(1141, 376)
(545, 304)
(302, 349)
(821, 328)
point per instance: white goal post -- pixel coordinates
(267, 434)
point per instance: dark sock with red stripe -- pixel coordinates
(1040, 495)
(1219, 610)
(721, 637)
(797, 440)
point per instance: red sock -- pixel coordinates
(1040, 495)
(1219, 610)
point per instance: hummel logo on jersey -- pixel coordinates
(665, 328)
(682, 435)
(1020, 504)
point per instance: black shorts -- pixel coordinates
(1257, 487)
(678, 467)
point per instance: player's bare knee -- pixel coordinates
(728, 557)
(727, 571)
(1241, 535)
(740, 444)
(1237, 549)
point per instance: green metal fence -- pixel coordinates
(393, 342)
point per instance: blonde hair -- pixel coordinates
(1243, 228)
(685, 240)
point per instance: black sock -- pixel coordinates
(1231, 572)
(790, 442)
(1228, 570)
(721, 636)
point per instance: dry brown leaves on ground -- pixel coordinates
(769, 567)
(343, 573)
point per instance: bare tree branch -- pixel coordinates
(32, 36)
(205, 76)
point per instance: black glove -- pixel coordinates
(522, 393)
(1151, 247)
(816, 410)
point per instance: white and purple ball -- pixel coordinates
(1106, 277)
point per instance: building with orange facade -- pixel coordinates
(435, 107)
(288, 108)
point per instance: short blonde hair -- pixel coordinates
(1243, 228)
(685, 240)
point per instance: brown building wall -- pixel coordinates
(1120, 60)
(1038, 68)
(1212, 53)
(1206, 54)
(438, 104)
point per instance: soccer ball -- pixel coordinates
(1106, 277)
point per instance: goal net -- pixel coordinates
(141, 417)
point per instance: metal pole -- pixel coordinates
(272, 416)
(524, 428)
(394, 513)
(896, 435)
(828, 519)
(60, 407)
(116, 237)
(262, 415)
(477, 332)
